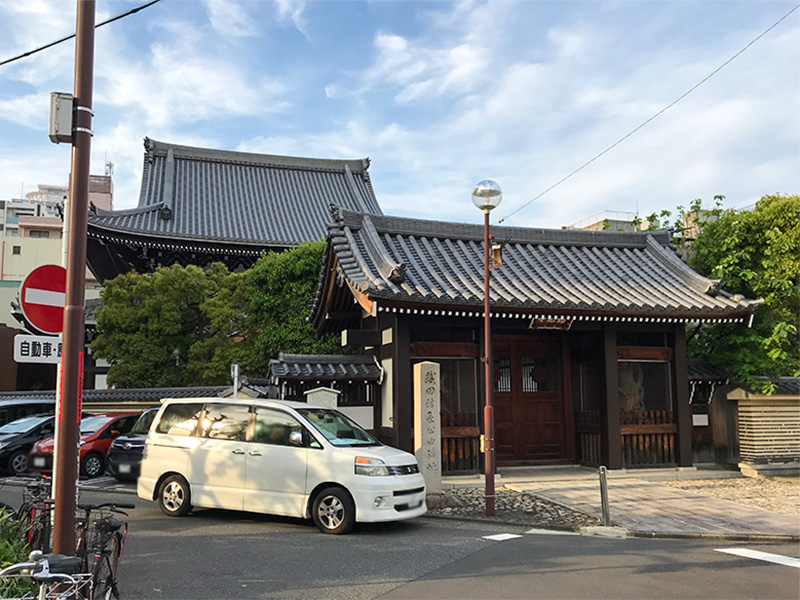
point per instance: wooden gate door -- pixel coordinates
(531, 423)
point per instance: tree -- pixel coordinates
(755, 253)
(148, 323)
(282, 288)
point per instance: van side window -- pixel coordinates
(180, 419)
(225, 422)
(274, 427)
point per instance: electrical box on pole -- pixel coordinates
(60, 127)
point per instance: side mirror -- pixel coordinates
(296, 438)
(114, 433)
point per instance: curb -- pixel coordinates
(621, 532)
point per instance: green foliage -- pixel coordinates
(756, 254)
(13, 549)
(211, 317)
(282, 288)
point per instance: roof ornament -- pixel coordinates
(165, 212)
(713, 288)
(336, 213)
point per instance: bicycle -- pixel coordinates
(35, 512)
(56, 575)
(99, 546)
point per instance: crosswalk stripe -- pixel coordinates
(501, 537)
(765, 556)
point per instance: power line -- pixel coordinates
(663, 110)
(69, 37)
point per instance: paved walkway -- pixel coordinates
(645, 507)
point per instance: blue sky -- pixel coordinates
(438, 94)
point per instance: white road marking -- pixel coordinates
(45, 297)
(765, 556)
(501, 537)
(551, 532)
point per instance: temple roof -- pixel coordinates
(396, 262)
(324, 366)
(246, 199)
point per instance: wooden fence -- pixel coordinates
(460, 436)
(590, 437)
(648, 437)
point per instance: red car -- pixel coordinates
(97, 433)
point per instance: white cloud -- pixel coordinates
(292, 11)
(229, 18)
(28, 111)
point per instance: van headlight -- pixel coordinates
(373, 467)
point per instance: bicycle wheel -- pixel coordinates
(104, 571)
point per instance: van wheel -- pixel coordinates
(174, 497)
(93, 465)
(334, 511)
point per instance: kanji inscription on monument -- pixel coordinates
(428, 423)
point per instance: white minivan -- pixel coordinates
(276, 457)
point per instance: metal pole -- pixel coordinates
(69, 412)
(604, 497)
(488, 411)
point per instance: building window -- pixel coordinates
(644, 386)
(34, 233)
(16, 250)
(459, 393)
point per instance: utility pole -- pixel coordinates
(69, 410)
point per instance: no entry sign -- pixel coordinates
(42, 298)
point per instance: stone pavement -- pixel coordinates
(642, 507)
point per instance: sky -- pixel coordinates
(439, 95)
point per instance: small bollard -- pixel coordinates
(604, 497)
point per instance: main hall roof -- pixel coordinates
(200, 194)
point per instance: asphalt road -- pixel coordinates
(222, 554)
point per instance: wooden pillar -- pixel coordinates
(682, 409)
(611, 452)
(403, 388)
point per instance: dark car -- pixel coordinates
(18, 437)
(125, 454)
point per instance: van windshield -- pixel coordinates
(337, 428)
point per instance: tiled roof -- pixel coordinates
(324, 366)
(247, 199)
(701, 370)
(438, 264)
(153, 395)
(784, 386)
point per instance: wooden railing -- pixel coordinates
(460, 436)
(648, 437)
(590, 437)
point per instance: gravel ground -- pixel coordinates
(510, 506)
(776, 494)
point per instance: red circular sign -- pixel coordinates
(42, 298)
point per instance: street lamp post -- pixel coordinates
(487, 196)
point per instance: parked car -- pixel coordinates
(11, 410)
(97, 433)
(276, 457)
(18, 437)
(125, 455)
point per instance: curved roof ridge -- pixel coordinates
(157, 148)
(448, 229)
(139, 210)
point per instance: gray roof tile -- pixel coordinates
(256, 199)
(598, 272)
(324, 366)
